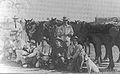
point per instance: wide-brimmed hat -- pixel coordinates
(75, 38)
(65, 18)
(59, 39)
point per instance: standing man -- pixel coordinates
(23, 32)
(65, 31)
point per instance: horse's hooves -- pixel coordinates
(104, 58)
(80, 71)
(110, 70)
(107, 60)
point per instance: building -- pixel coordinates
(105, 20)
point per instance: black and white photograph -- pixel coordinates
(60, 36)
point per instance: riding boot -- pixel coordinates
(111, 63)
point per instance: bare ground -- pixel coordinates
(15, 68)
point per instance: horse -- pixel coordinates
(114, 32)
(34, 30)
(98, 35)
(81, 34)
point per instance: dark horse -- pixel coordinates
(114, 32)
(81, 34)
(34, 30)
(98, 35)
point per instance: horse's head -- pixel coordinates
(30, 27)
(28, 23)
(53, 21)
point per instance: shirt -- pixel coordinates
(44, 50)
(75, 50)
(71, 49)
(34, 53)
(9, 45)
(63, 31)
(79, 51)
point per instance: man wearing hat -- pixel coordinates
(44, 53)
(46, 48)
(72, 47)
(40, 52)
(65, 31)
(30, 58)
(75, 51)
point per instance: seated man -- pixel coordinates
(59, 54)
(30, 58)
(76, 53)
(46, 48)
(21, 53)
(9, 48)
(18, 46)
(45, 52)
(39, 53)
(65, 31)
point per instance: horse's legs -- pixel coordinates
(98, 53)
(97, 46)
(106, 54)
(89, 49)
(79, 63)
(110, 55)
(118, 60)
(38, 43)
(85, 47)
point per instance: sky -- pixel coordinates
(73, 9)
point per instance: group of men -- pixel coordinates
(74, 50)
(32, 56)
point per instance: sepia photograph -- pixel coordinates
(60, 36)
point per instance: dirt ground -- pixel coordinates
(14, 68)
